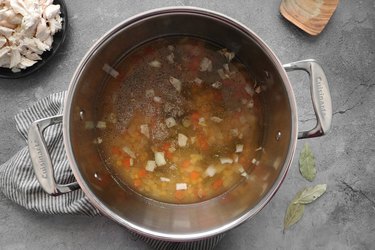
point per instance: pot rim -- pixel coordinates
(152, 233)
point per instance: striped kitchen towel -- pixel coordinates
(18, 181)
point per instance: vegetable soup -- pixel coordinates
(181, 120)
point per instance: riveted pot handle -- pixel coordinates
(41, 158)
(320, 95)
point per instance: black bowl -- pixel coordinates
(58, 40)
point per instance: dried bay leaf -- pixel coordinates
(296, 207)
(307, 163)
(310, 194)
(293, 214)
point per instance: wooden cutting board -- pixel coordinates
(309, 15)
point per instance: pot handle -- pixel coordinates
(41, 158)
(320, 96)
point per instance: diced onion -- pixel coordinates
(216, 85)
(170, 58)
(250, 104)
(155, 64)
(170, 122)
(226, 67)
(182, 140)
(112, 118)
(235, 158)
(258, 90)
(258, 149)
(111, 71)
(276, 163)
(253, 161)
(222, 74)
(206, 64)
(98, 140)
(198, 81)
(159, 159)
(150, 93)
(228, 55)
(239, 148)
(186, 122)
(150, 166)
(101, 124)
(157, 99)
(89, 125)
(216, 119)
(202, 121)
(171, 47)
(210, 171)
(241, 170)
(234, 132)
(226, 160)
(129, 152)
(145, 130)
(164, 179)
(173, 167)
(181, 186)
(175, 83)
(193, 139)
(249, 90)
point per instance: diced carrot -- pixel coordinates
(166, 146)
(168, 154)
(195, 117)
(127, 162)
(165, 149)
(116, 151)
(137, 183)
(194, 64)
(194, 175)
(142, 173)
(185, 164)
(218, 183)
(202, 142)
(179, 194)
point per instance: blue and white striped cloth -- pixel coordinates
(18, 181)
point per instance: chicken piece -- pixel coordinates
(31, 55)
(15, 58)
(42, 31)
(3, 41)
(6, 31)
(51, 11)
(4, 57)
(54, 24)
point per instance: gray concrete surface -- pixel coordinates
(344, 218)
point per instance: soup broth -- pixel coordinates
(181, 120)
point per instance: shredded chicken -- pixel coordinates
(26, 31)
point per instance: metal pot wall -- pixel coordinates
(170, 221)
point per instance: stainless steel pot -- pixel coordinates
(168, 221)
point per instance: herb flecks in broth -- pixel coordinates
(182, 121)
